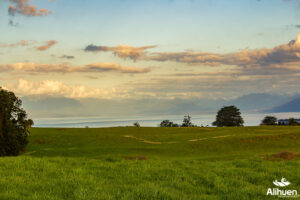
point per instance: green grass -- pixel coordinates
(179, 163)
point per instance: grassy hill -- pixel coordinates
(152, 163)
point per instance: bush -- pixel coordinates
(14, 125)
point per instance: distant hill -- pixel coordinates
(46, 103)
(49, 106)
(259, 101)
(291, 106)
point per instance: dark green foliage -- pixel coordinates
(187, 122)
(168, 123)
(13, 124)
(292, 122)
(269, 120)
(136, 124)
(30, 123)
(228, 116)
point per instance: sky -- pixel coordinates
(137, 49)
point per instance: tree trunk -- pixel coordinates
(1, 124)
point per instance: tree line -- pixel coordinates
(226, 116)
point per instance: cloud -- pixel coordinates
(23, 7)
(67, 68)
(122, 51)
(213, 85)
(67, 57)
(283, 54)
(12, 23)
(286, 54)
(57, 88)
(24, 43)
(20, 43)
(48, 45)
(260, 34)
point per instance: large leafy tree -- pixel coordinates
(14, 124)
(228, 116)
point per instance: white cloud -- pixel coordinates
(57, 88)
(67, 68)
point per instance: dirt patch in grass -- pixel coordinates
(195, 140)
(285, 155)
(141, 139)
(31, 152)
(222, 136)
(135, 157)
(40, 141)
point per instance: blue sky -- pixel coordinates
(215, 31)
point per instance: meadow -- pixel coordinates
(152, 163)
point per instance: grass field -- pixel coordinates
(152, 163)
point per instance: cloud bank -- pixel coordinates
(279, 55)
(286, 54)
(17, 44)
(23, 7)
(47, 46)
(67, 68)
(122, 51)
(57, 88)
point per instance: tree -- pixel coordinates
(228, 116)
(292, 122)
(187, 122)
(168, 123)
(30, 123)
(136, 124)
(269, 120)
(14, 124)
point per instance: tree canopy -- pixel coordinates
(228, 116)
(269, 120)
(14, 125)
(187, 122)
(168, 123)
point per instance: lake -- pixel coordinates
(251, 119)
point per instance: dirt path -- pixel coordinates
(142, 140)
(173, 142)
(222, 136)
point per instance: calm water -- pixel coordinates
(251, 119)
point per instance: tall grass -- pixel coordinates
(103, 164)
